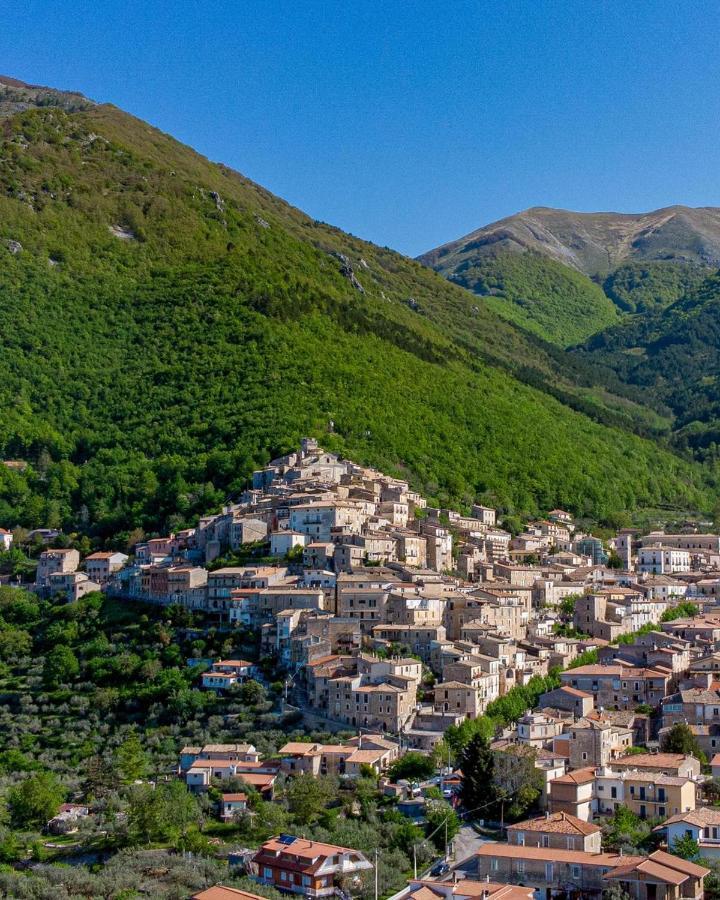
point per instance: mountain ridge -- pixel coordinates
(170, 325)
(593, 243)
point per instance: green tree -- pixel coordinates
(680, 739)
(269, 819)
(308, 796)
(615, 892)
(61, 666)
(478, 767)
(516, 780)
(413, 766)
(251, 692)
(164, 812)
(459, 736)
(686, 610)
(442, 821)
(686, 847)
(626, 831)
(35, 800)
(131, 759)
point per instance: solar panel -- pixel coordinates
(286, 839)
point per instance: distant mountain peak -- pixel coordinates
(594, 243)
(17, 96)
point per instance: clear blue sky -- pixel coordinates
(407, 123)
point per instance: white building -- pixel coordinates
(282, 542)
(658, 559)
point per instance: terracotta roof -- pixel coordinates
(706, 815)
(617, 669)
(675, 862)
(654, 872)
(234, 798)
(298, 748)
(578, 857)
(574, 692)
(257, 780)
(218, 892)
(577, 776)
(365, 756)
(651, 760)
(432, 890)
(558, 823)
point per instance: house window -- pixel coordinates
(521, 838)
(520, 866)
(546, 840)
(548, 871)
(267, 873)
(575, 870)
(494, 864)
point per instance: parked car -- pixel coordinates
(440, 868)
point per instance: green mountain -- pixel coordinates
(539, 294)
(566, 275)
(168, 325)
(673, 355)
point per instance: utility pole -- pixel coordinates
(446, 843)
(414, 860)
(376, 873)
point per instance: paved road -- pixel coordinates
(465, 845)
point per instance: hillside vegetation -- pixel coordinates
(541, 295)
(673, 354)
(646, 287)
(168, 325)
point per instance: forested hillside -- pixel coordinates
(673, 354)
(168, 325)
(553, 301)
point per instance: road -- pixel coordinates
(465, 845)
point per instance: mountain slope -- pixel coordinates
(168, 325)
(593, 243)
(539, 294)
(673, 354)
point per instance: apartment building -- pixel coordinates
(617, 686)
(657, 559)
(560, 831)
(650, 795)
(660, 875)
(53, 561)
(594, 742)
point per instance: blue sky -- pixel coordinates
(407, 123)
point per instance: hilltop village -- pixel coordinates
(581, 668)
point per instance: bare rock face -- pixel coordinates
(122, 233)
(14, 247)
(346, 270)
(219, 202)
(261, 222)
